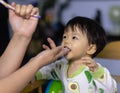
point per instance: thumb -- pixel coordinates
(11, 11)
(62, 52)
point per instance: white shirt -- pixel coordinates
(83, 81)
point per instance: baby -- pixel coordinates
(78, 71)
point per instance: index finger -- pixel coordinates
(51, 42)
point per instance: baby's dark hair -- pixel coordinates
(94, 32)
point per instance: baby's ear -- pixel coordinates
(92, 49)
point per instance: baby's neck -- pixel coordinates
(73, 67)
(75, 63)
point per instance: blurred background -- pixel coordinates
(56, 13)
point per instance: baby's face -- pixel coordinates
(76, 42)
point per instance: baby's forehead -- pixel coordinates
(74, 30)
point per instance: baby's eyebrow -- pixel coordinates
(78, 34)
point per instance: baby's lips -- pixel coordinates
(66, 50)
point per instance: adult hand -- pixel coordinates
(51, 43)
(21, 21)
(50, 55)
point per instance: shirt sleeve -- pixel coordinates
(50, 71)
(104, 81)
(46, 72)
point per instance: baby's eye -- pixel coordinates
(64, 37)
(74, 37)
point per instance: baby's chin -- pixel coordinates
(67, 57)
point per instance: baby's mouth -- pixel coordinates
(67, 48)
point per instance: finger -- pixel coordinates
(51, 55)
(91, 69)
(35, 11)
(29, 10)
(45, 47)
(63, 52)
(85, 62)
(88, 63)
(23, 10)
(85, 57)
(13, 4)
(51, 42)
(11, 12)
(17, 9)
(57, 52)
